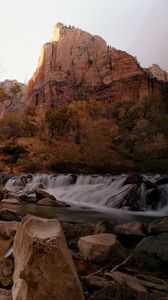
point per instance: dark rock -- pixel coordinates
(162, 181)
(28, 198)
(157, 245)
(40, 194)
(153, 198)
(134, 179)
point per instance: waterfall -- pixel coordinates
(146, 192)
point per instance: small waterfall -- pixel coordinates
(140, 193)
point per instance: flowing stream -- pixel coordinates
(95, 196)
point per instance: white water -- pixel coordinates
(99, 192)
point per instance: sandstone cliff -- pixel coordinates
(76, 65)
(157, 72)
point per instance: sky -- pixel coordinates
(139, 27)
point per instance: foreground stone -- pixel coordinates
(157, 245)
(100, 248)
(44, 268)
(5, 295)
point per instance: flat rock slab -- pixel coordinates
(155, 244)
(44, 268)
(100, 248)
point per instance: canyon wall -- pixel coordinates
(76, 65)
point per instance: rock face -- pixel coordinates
(44, 268)
(157, 72)
(76, 65)
(15, 104)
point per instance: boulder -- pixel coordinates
(44, 268)
(7, 233)
(10, 215)
(101, 248)
(5, 294)
(158, 226)
(157, 245)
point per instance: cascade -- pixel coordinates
(147, 193)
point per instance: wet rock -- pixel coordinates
(158, 226)
(153, 198)
(4, 177)
(133, 179)
(162, 181)
(51, 202)
(101, 248)
(157, 245)
(10, 215)
(40, 194)
(28, 198)
(44, 268)
(7, 233)
(5, 294)
(6, 272)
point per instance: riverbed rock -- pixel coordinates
(101, 248)
(11, 215)
(158, 226)
(155, 244)
(7, 233)
(10, 200)
(5, 294)
(51, 202)
(44, 268)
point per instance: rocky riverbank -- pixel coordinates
(48, 259)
